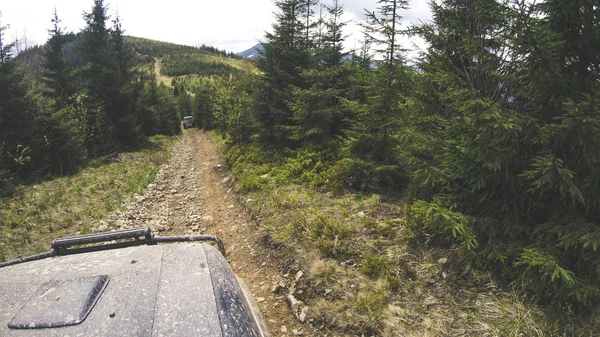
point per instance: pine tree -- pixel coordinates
(122, 106)
(16, 113)
(316, 109)
(285, 55)
(146, 113)
(101, 82)
(57, 75)
(371, 142)
(203, 113)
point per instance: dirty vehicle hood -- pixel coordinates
(161, 290)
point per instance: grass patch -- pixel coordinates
(367, 271)
(35, 215)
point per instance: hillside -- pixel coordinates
(181, 59)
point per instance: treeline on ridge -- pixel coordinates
(160, 49)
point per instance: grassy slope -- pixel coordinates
(151, 48)
(36, 214)
(369, 273)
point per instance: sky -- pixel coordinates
(233, 25)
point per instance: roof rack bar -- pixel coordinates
(140, 236)
(61, 245)
(28, 258)
(192, 238)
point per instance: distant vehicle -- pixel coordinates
(124, 284)
(188, 122)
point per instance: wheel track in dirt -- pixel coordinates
(192, 195)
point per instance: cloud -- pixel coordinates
(417, 12)
(417, 9)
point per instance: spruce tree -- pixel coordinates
(122, 106)
(317, 112)
(17, 113)
(203, 113)
(57, 75)
(101, 82)
(148, 105)
(5, 48)
(168, 119)
(371, 142)
(229, 107)
(285, 55)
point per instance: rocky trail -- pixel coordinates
(192, 195)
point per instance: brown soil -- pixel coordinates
(192, 195)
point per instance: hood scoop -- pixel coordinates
(60, 303)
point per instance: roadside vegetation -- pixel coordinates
(36, 214)
(78, 98)
(83, 125)
(454, 194)
(371, 269)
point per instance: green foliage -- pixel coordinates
(229, 106)
(251, 165)
(196, 64)
(454, 226)
(166, 112)
(369, 151)
(155, 48)
(512, 166)
(286, 54)
(331, 236)
(203, 104)
(375, 266)
(76, 98)
(57, 75)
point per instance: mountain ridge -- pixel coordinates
(253, 52)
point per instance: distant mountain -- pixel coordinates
(252, 53)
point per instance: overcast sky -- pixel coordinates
(233, 25)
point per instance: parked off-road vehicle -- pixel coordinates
(126, 283)
(188, 122)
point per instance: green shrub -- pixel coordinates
(331, 235)
(375, 266)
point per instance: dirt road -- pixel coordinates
(159, 77)
(192, 195)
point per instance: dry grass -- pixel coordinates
(36, 214)
(368, 273)
(368, 276)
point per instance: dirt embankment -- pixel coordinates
(192, 195)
